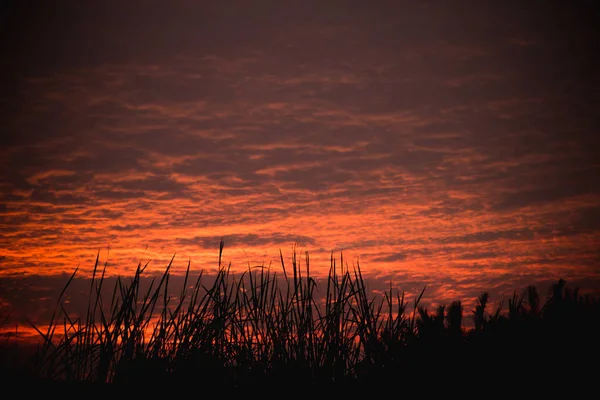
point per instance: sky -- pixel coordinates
(450, 145)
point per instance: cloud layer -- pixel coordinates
(449, 146)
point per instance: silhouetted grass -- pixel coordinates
(271, 330)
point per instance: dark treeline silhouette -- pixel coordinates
(262, 329)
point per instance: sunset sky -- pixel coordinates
(446, 144)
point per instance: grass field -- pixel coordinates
(264, 330)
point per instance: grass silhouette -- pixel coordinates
(268, 330)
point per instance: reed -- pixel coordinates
(264, 326)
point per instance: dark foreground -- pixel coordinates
(266, 337)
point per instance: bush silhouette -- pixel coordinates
(269, 329)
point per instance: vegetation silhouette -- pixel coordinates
(265, 330)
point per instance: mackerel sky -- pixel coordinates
(452, 144)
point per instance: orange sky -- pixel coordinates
(439, 146)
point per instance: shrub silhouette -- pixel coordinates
(261, 328)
